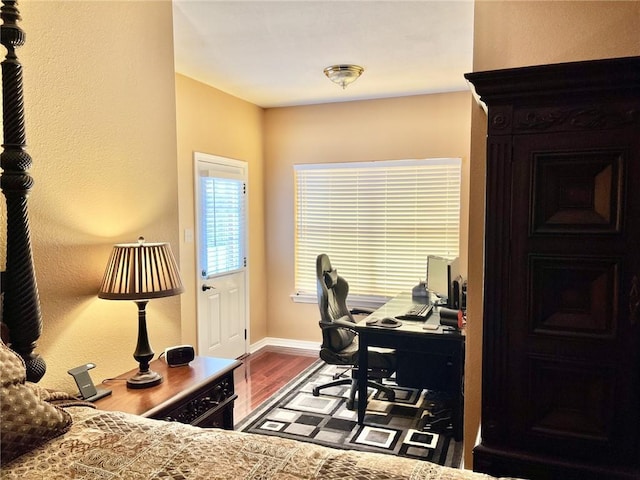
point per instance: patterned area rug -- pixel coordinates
(416, 425)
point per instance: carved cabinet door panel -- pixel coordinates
(574, 223)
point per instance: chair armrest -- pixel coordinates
(339, 323)
(361, 311)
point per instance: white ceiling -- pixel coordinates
(272, 53)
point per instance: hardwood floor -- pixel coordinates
(263, 373)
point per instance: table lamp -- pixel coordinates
(139, 272)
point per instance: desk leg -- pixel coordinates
(363, 367)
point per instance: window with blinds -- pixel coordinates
(222, 229)
(377, 221)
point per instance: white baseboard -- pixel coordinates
(284, 343)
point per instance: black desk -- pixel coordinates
(431, 359)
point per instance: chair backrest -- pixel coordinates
(332, 302)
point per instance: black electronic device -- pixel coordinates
(179, 355)
(387, 322)
(420, 292)
(453, 283)
(463, 295)
(88, 390)
(390, 322)
(418, 312)
(449, 317)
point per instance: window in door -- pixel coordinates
(222, 228)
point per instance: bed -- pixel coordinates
(52, 435)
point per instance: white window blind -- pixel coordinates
(222, 229)
(377, 221)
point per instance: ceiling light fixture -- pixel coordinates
(343, 75)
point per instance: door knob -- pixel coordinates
(206, 287)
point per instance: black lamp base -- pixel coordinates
(144, 380)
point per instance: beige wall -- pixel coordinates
(210, 121)
(99, 90)
(409, 127)
(512, 34)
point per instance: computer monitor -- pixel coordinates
(438, 277)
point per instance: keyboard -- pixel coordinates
(418, 312)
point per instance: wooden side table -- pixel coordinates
(201, 393)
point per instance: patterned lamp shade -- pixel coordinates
(141, 271)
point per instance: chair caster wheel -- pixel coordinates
(316, 392)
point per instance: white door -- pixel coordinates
(221, 245)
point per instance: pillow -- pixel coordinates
(26, 420)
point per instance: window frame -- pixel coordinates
(375, 299)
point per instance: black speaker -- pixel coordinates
(179, 355)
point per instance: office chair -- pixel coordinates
(340, 340)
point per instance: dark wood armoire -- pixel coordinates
(561, 338)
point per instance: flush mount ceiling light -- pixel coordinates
(343, 75)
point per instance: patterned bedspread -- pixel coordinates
(112, 445)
